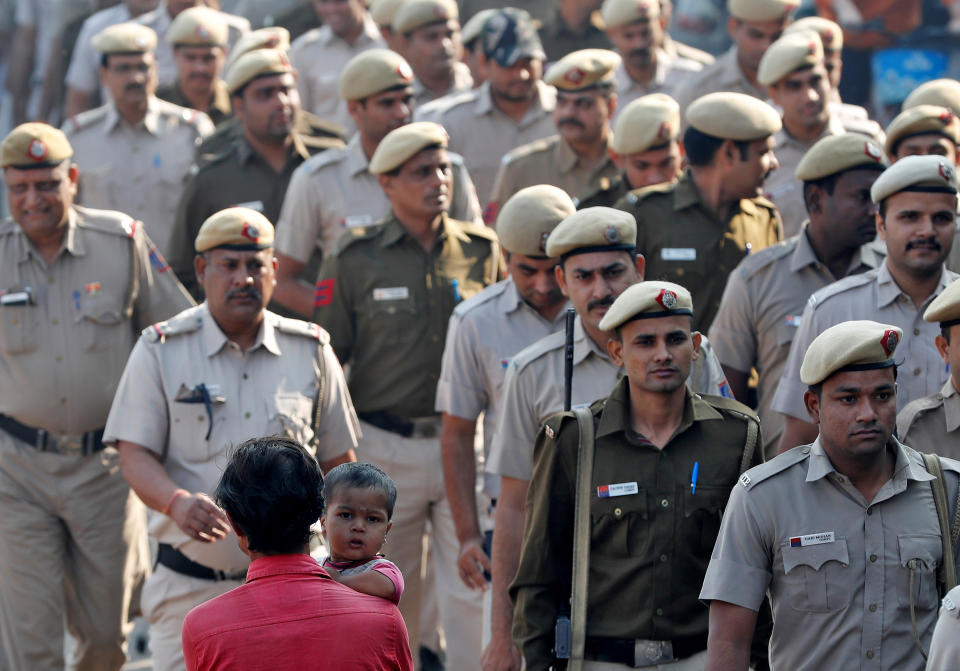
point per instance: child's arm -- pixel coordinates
(373, 583)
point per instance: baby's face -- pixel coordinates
(355, 523)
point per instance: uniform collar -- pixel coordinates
(245, 150)
(394, 230)
(511, 301)
(221, 97)
(151, 121)
(274, 565)
(583, 345)
(819, 466)
(951, 405)
(356, 160)
(803, 254)
(686, 193)
(214, 338)
(834, 127)
(888, 290)
(545, 101)
(564, 155)
(73, 238)
(615, 417)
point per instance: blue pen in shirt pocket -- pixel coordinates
(693, 477)
(456, 290)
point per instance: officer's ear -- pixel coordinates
(695, 340)
(561, 278)
(811, 401)
(200, 267)
(615, 348)
(943, 347)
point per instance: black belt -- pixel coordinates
(175, 560)
(638, 654)
(392, 423)
(85, 444)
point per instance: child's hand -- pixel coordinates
(334, 573)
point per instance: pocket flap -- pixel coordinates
(815, 556)
(926, 548)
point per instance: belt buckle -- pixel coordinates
(651, 653)
(71, 446)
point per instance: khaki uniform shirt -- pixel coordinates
(483, 336)
(559, 39)
(872, 295)
(533, 390)
(675, 48)
(650, 545)
(483, 135)
(930, 424)
(267, 390)
(462, 81)
(550, 161)
(387, 301)
(137, 169)
(335, 192)
(219, 110)
(834, 566)
(671, 73)
(945, 644)
(62, 353)
(319, 57)
(761, 310)
(697, 250)
(724, 75)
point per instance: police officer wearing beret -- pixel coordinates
(842, 535)
(201, 382)
(76, 286)
(664, 461)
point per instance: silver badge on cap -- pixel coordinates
(250, 232)
(37, 150)
(889, 341)
(667, 299)
(612, 234)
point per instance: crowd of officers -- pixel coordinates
(369, 241)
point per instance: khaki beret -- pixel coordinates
(838, 153)
(383, 12)
(34, 145)
(402, 144)
(942, 92)
(527, 218)
(945, 308)
(853, 345)
(831, 34)
(921, 120)
(273, 37)
(650, 121)
(237, 228)
(915, 173)
(583, 69)
(199, 26)
(618, 13)
(414, 14)
(761, 10)
(258, 63)
(733, 116)
(373, 71)
(125, 38)
(799, 49)
(593, 229)
(473, 28)
(647, 300)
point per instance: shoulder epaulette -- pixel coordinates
(486, 295)
(543, 144)
(778, 464)
(321, 143)
(951, 604)
(84, 120)
(354, 235)
(321, 127)
(729, 405)
(637, 195)
(915, 409)
(304, 329)
(534, 351)
(109, 221)
(446, 104)
(314, 163)
(757, 261)
(477, 230)
(188, 321)
(763, 202)
(553, 423)
(838, 287)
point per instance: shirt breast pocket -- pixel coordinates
(921, 553)
(397, 316)
(702, 511)
(616, 524)
(680, 265)
(99, 319)
(17, 328)
(189, 427)
(291, 415)
(816, 579)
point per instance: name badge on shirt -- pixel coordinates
(793, 320)
(811, 539)
(252, 205)
(16, 296)
(391, 294)
(678, 254)
(619, 489)
(357, 220)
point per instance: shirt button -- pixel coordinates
(916, 371)
(869, 511)
(659, 611)
(54, 321)
(916, 331)
(841, 479)
(663, 558)
(199, 418)
(873, 558)
(869, 654)
(435, 338)
(59, 358)
(679, 272)
(617, 512)
(664, 503)
(246, 415)
(873, 608)
(51, 279)
(245, 376)
(63, 400)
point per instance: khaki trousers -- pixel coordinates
(415, 466)
(696, 662)
(72, 548)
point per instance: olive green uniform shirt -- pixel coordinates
(607, 195)
(649, 548)
(683, 241)
(219, 109)
(930, 424)
(299, 19)
(306, 125)
(386, 302)
(559, 39)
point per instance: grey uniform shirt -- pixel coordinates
(334, 191)
(872, 295)
(533, 390)
(761, 309)
(930, 424)
(671, 74)
(484, 335)
(266, 390)
(462, 81)
(834, 566)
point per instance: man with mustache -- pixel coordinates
(199, 39)
(761, 306)
(386, 295)
(597, 260)
(664, 461)
(794, 73)
(135, 151)
(204, 381)
(578, 158)
(917, 200)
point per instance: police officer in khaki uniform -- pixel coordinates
(597, 261)
(646, 148)
(941, 92)
(386, 295)
(793, 71)
(931, 422)
(201, 382)
(841, 535)
(754, 25)
(573, 24)
(199, 39)
(761, 306)
(716, 215)
(917, 199)
(336, 191)
(578, 158)
(924, 129)
(76, 286)
(255, 169)
(512, 108)
(135, 152)
(946, 635)
(664, 461)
